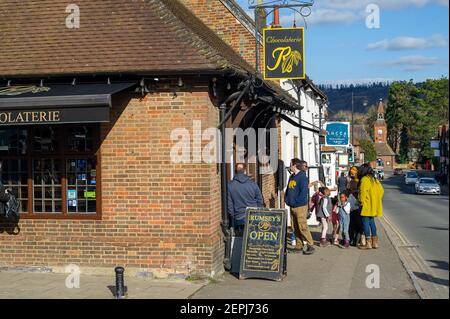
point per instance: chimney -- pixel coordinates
(276, 17)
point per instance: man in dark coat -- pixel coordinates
(243, 192)
(342, 183)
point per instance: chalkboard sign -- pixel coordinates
(264, 244)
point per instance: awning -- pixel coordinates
(81, 103)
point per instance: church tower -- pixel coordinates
(380, 126)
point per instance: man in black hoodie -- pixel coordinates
(243, 192)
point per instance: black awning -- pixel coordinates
(81, 103)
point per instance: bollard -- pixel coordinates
(120, 285)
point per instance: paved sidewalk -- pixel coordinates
(52, 286)
(331, 272)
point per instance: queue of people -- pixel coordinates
(352, 213)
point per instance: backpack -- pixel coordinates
(11, 208)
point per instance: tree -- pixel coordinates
(370, 119)
(414, 113)
(370, 154)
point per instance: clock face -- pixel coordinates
(380, 132)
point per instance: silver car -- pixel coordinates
(427, 185)
(411, 177)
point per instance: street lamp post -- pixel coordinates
(353, 119)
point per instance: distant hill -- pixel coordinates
(340, 96)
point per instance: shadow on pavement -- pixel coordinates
(430, 278)
(439, 264)
(398, 183)
(437, 228)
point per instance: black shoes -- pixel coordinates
(308, 250)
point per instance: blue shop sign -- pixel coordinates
(338, 134)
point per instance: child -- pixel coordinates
(355, 228)
(324, 213)
(344, 217)
(315, 200)
(335, 220)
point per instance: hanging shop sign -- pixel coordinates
(284, 54)
(338, 134)
(264, 244)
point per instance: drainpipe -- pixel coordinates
(300, 134)
(224, 186)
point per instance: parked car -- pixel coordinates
(411, 177)
(379, 173)
(398, 171)
(428, 186)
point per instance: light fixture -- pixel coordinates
(180, 82)
(228, 86)
(109, 80)
(74, 82)
(156, 79)
(41, 84)
(9, 83)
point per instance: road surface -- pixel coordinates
(423, 220)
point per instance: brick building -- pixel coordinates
(87, 116)
(385, 154)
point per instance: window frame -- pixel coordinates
(63, 155)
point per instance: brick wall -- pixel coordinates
(219, 19)
(157, 215)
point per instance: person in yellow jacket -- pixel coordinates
(371, 201)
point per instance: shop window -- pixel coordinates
(81, 185)
(15, 177)
(52, 170)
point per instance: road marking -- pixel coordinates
(408, 246)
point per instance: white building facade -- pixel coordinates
(304, 142)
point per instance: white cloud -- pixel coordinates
(410, 43)
(410, 63)
(383, 4)
(350, 11)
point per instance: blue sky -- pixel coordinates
(411, 43)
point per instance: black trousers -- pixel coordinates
(356, 227)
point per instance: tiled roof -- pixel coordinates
(380, 106)
(383, 149)
(115, 36)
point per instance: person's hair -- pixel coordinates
(322, 189)
(366, 170)
(298, 163)
(240, 168)
(346, 193)
(325, 189)
(342, 174)
(334, 200)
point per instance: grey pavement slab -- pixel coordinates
(52, 286)
(331, 272)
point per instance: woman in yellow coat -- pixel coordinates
(370, 198)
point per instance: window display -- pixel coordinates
(52, 170)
